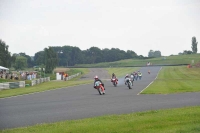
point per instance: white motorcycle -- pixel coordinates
(128, 82)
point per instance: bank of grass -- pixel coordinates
(178, 120)
(168, 60)
(175, 79)
(41, 87)
(121, 71)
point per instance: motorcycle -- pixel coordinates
(100, 87)
(128, 82)
(114, 81)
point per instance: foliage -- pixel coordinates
(30, 62)
(20, 63)
(51, 60)
(194, 45)
(186, 52)
(5, 57)
(154, 53)
(70, 56)
(39, 58)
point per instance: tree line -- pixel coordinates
(64, 56)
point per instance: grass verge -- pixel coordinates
(178, 120)
(41, 87)
(176, 79)
(122, 71)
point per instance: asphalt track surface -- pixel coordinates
(83, 101)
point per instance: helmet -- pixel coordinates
(127, 75)
(96, 77)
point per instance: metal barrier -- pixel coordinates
(73, 76)
(38, 81)
(12, 85)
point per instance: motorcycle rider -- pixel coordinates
(139, 75)
(132, 77)
(97, 79)
(127, 77)
(114, 77)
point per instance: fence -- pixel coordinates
(38, 81)
(72, 76)
(12, 85)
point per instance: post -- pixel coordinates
(44, 72)
(40, 71)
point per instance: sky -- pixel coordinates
(29, 26)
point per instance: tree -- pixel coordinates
(29, 60)
(20, 63)
(194, 45)
(39, 58)
(157, 54)
(187, 52)
(151, 53)
(5, 57)
(51, 59)
(154, 53)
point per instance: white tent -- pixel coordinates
(3, 68)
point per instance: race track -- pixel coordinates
(84, 101)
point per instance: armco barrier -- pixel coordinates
(72, 76)
(38, 81)
(12, 85)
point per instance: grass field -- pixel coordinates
(179, 120)
(122, 71)
(175, 79)
(169, 60)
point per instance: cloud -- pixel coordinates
(167, 26)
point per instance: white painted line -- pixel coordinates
(43, 91)
(150, 83)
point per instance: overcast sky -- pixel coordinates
(140, 25)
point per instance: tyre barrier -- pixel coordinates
(40, 80)
(12, 85)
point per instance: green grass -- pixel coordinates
(46, 85)
(83, 71)
(41, 87)
(170, 60)
(178, 120)
(176, 79)
(5, 80)
(122, 71)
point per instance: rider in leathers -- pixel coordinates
(126, 78)
(97, 79)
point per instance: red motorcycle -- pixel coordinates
(114, 81)
(100, 87)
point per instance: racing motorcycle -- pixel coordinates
(128, 82)
(114, 81)
(100, 87)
